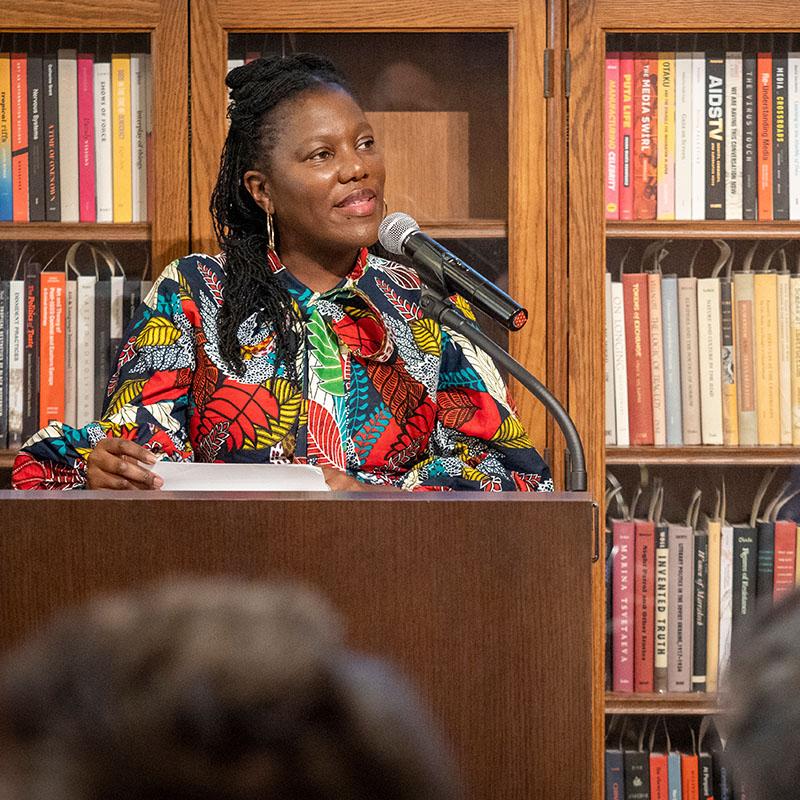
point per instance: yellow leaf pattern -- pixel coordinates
(427, 335)
(158, 332)
(463, 306)
(511, 434)
(127, 393)
(290, 402)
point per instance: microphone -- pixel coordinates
(438, 267)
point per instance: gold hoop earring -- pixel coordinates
(270, 232)
(385, 208)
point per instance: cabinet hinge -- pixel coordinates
(567, 73)
(548, 72)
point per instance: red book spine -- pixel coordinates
(644, 606)
(645, 143)
(637, 351)
(622, 605)
(659, 776)
(690, 786)
(612, 135)
(86, 166)
(52, 322)
(764, 122)
(19, 137)
(785, 555)
(626, 76)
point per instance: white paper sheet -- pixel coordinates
(188, 476)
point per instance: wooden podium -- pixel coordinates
(484, 601)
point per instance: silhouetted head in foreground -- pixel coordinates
(211, 689)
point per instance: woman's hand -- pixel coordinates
(117, 464)
(342, 482)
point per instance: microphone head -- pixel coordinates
(394, 231)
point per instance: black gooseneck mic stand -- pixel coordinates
(438, 306)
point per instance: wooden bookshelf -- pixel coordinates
(66, 231)
(707, 229)
(466, 229)
(701, 456)
(7, 458)
(659, 703)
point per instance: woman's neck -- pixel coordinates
(318, 274)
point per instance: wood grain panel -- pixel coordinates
(77, 15)
(462, 592)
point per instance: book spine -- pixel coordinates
(102, 139)
(659, 776)
(36, 136)
(765, 292)
(705, 777)
(709, 336)
(785, 555)
(52, 145)
(614, 775)
(765, 568)
(622, 609)
(730, 413)
(645, 133)
(689, 776)
(138, 138)
(744, 320)
(733, 138)
(712, 638)
(794, 354)
(657, 358)
(19, 136)
(71, 354)
(700, 619)
(131, 299)
(610, 415)
(698, 136)
(86, 153)
(674, 775)
(665, 207)
(643, 598)
(68, 134)
(30, 412)
(4, 356)
(627, 78)
(749, 137)
(683, 136)
(637, 775)
(121, 137)
(637, 329)
(764, 117)
(6, 182)
(784, 356)
(715, 135)
(85, 350)
(793, 132)
(661, 592)
(672, 360)
(115, 322)
(16, 361)
(612, 97)
(780, 143)
(52, 348)
(680, 605)
(620, 365)
(725, 598)
(148, 105)
(745, 564)
(690, 372)
(102, 345)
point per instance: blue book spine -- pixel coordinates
(672, 359)
(6, 190)
(615, 775)
(674, 776)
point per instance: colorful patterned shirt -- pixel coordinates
(381, 392)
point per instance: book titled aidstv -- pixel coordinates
(715, 135)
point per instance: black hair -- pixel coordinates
(240, 224)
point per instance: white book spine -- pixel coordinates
(795, 356)
(683, 136)
(793, 115)
(68, 134)
(138, 138)
(148, 133)
(102, 142)
(71, 355)
(698, 136)
(784, 355)
(115, 327)
(657, 359)
(620, 365)
(709, 335)
(16, 358)
(733, 137)
(85, 350)
(611, 417)
(725, 599)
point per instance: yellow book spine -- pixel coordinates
(666, 136)
(712, 617)
(794, 343)
(765, 289)
(730, 409)
(122, 166)
(5, 138)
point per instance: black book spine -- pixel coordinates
(30, 364)
(715, 135)
(4, 354)
(615, 775)
(765, 576)
(749, 134)
(700, 611)
(102, 343)
(745, 555)
(706, 775)
(780, 139)
(637, 775)
(50, 143)
(36, 197)
(131, 298)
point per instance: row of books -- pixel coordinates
(75, 135)
(704, 360)
(653, 768)
(702, 135)
(680, 595)
(60, 332)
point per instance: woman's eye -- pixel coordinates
(366, 144)
(320, 155)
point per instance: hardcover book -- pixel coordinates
(715, 135)
(36, 140)
(645, 136)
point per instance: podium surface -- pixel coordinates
(484, 602)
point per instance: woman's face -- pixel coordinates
(324, 184)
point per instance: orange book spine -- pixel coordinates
(659, 780)
(690, 787)
(52, 344)
(637, 350)
(19, 137)
(785, 555)
(764, 123)
(645, 140)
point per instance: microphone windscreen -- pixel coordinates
(394, 231)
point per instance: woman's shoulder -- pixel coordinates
(391, 274)
(194, 272)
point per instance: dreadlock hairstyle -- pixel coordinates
(240, 224)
